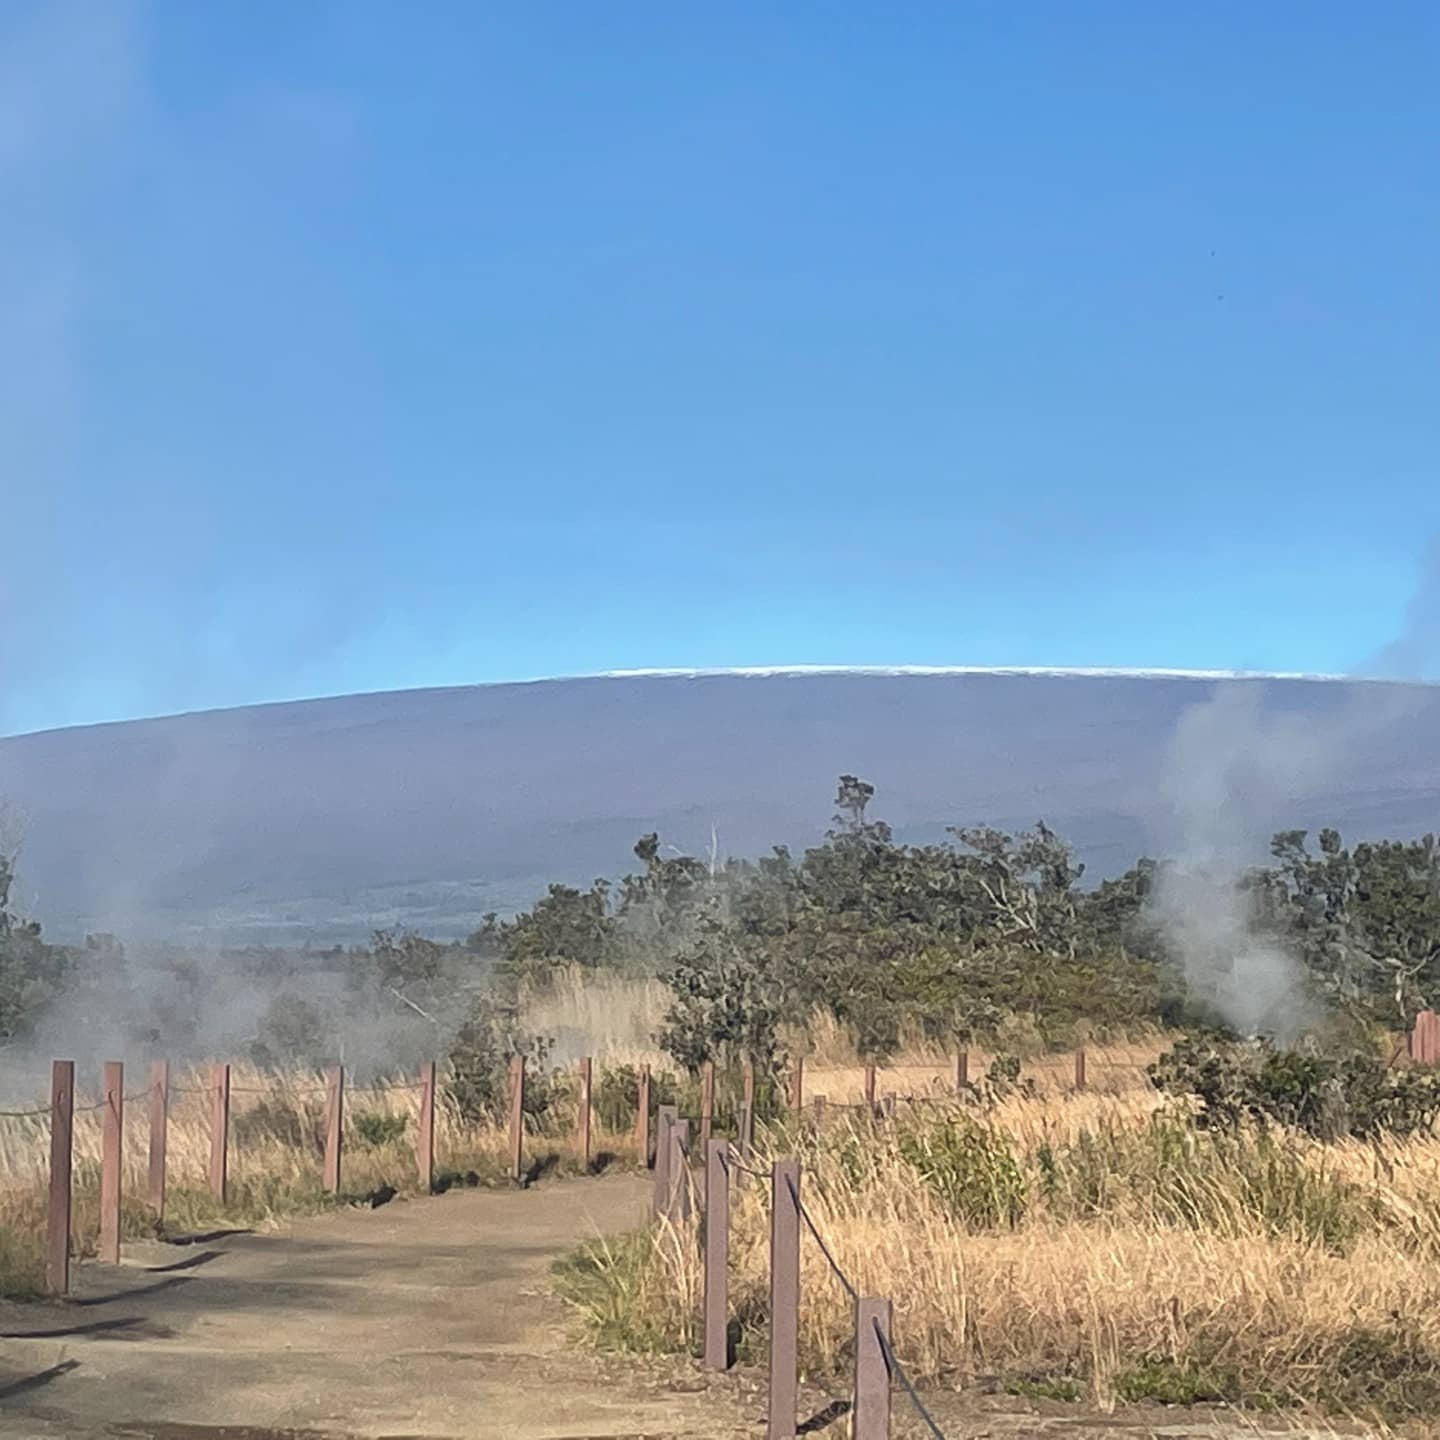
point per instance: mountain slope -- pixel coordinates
(316, 819)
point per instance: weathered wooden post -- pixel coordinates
(662, 1159)
(747, 1085)
(677, 1204)
(425, 1130)
(642, 1115)
(887, 1105)
(962, 1072)
(745, 1142)
(784, 1299)
(797, 1084)
(112, 1150)
(872, 1370)
(158, 1108)
(334, 1126)
(717, 1256)
(582, 1116)
(517, 1117)
(57, 1218)
(707, 1103)
(1425, 1038)
(1080, 1068)
(870, 1088)
(220, 1132)
(818, 1107)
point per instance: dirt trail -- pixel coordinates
(430, 1318)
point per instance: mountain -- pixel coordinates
(317, 819)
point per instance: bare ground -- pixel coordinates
(429, 1319)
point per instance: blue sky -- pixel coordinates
(357, 346)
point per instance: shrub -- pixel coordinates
(376, 1128)
(972, 1168)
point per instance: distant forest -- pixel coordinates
(988, 936)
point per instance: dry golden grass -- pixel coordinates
(1083, 1245)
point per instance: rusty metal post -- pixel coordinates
(57, 1218)
(112, 1150)
(677, 1201)
(582, 1116)
(962, 1072)
(1080, 1068)
(642, 1115)
(872, 1370)
(158, 1105)
(662, 1159)
(220, 1132)
(707, 1103)
(334, 1126)
(870, 1088)
(717, 1255)
(797, 1084)
(784, 1299)
(517, 1117)
(425, 1130)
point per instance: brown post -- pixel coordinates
(747, 1085)
(797, 1084)
(517, 1116)
(57, 1219)
(784, 1298)
(677, 1204)
(582, 1118)
(746, 1144)
(1425, 1039)
(707, 1103)
(334, 1126)
(962, 1071)
(425, 1130)
(887, 1106)
(872, 1370)
(819, 1107)
(112, 1149)
(662, 1159)
(1080, 1068)
(870, 1088)
(219, 1131)
(642, 1115)
(717, 1255)
(159, 1108)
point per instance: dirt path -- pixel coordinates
(430, 1318)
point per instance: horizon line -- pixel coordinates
(1116, 672)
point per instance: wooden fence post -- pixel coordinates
(1080, 1068)
(158, 1105)
(582, 1118)
(662, 1158)
(784, 1299)
(870, 1088)
(717, 1255)
(334, 1126)
(642, 1115)
(745, 1142)
(707, 1103)
(887, 1105)
(797, 1084)
(962, 1072)
(747, 1085)
(220, 1131)
(57, 1219)
(425, 1130)
(872, 1370)
(112, 1150)
(1425, 1038)
(677, 1202)
(517, 1117)
(818, 1106)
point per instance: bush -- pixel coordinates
(376, 1128)
(1326, 1097)
(283, 1121)
(972, 1168)
(478, 1084)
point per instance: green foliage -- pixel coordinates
(280, 1120)
(973, 1169)
(1326, 1096)
(377, 1128)
(478, 1078)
